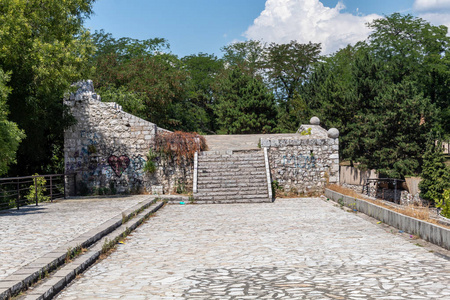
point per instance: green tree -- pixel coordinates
(287, 67)
(248, 56)
(387, 133)
(244, 104)
(415, 50)
(203, 72)
(435, 174)
(150, 79)
(375, 94)
(45, 49)
(126, 48)
(331, 92)
(132, 102)
(10, 134)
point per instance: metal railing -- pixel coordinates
(20, 191)
(394, 181)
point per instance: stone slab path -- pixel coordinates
(33, 231)
(290, 249)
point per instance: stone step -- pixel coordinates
(231, 162)
(233, 167)
(240, 185)
(225, 173)
(229, 197)
(233, 201)
(236, 190)
(247, 171)
(229, 158)
(232, 178)
(246, 181)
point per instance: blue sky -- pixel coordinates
(193, 26)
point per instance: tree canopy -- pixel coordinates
(385, 95)
(244, 104)
(44, 48)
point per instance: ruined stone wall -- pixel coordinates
(107, 149)
(303, 165)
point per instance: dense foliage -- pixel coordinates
(244, 104)
(435, 174)
(385, 95)
(45, 49)
(10, 134)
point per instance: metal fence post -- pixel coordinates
(35, 190)
(75, 184)
(51, 189)
(18, 194)
(64, 184)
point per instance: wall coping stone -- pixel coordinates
(430, 232)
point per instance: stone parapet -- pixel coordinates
(303, 164)
(107, 148)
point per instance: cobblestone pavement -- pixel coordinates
(33, 231)
(290, 249)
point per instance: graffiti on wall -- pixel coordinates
(119, 164)
(102, 162)
(300, 161)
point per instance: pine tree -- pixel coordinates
(435, 174)
(245, 105)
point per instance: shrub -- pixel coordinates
(435, 174)
(150, 165)
(40, 188)
(444, 204)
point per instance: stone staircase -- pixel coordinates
(232, 177)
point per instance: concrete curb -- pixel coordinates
(26, 276)
(430, 232)
(59, 280)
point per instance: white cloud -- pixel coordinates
(437, 12)
(436, 18)
(432, 5)
(309, 20)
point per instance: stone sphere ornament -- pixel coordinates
(333, 133)
(314, 121)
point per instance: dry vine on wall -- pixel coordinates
(180, 145)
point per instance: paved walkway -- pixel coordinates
(33, 231)
(290, 249)
(239, 141)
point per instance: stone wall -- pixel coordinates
(107, 149)
(304, 164)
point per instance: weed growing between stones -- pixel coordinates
(341, 202)
(109, 245)
(306, 132)
(191, 198)
(74, 252)
(150, 164)
(180, 188)
(276, 188)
